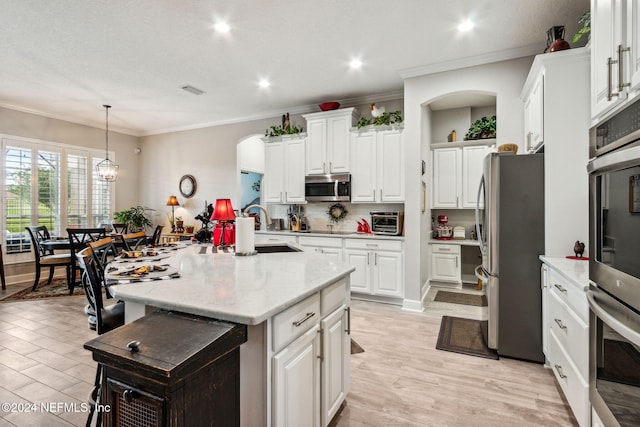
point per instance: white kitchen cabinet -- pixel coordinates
(615, 59)
(328, 141)
(566, 331)
(379, 265)
(377, 165)
(560, 76)
(445, 263)
(328, 246)
(284, 171)
(311, 361)
(457, 169)
(336, 347)
(296, 382)
(534, 116)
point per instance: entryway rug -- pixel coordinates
(478, 300)
(466, 336)
(57, 288)
(355, 347)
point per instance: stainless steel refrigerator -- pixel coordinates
(510, 229)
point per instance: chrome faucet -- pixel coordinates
(246, 212)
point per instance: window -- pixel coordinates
(49, 184)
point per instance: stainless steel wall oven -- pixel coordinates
(614, 268)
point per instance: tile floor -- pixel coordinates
(42, 361)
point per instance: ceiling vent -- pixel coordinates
(193, 90)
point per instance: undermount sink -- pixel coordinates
(268, 249)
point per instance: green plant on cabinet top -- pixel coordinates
(386, 118)
(483, 128)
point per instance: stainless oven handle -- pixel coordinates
(618, 159)
(610, 318)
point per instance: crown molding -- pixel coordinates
(472, 61)
(305, 109)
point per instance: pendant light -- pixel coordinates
(106, 169)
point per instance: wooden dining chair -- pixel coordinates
(4, 283)
(104, 250)
(79, 238)
(120, 228)
(154, 240)
(46, 257)
(107, 318)
(133, 241)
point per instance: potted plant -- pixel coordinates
(188, 229)
(483, 128)
(135, 217)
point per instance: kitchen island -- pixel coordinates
(294, 367)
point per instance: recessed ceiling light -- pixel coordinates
(465, 26)
(264, 83)
(222, 27)
(355, 64)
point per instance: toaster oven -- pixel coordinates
(389, 223)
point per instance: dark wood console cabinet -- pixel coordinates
(186, 371)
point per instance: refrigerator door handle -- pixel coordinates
(478, 228)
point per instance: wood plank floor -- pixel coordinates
(399, 380)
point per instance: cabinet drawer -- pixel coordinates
(327, 242)
(263, 238)
(373, 245)
(333, 296)
(574, 387)
(571, 332)
(445, 249)
(295, 320)
(569, 292)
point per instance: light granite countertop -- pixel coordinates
(241, 289)
(336, 234)
(575, 270)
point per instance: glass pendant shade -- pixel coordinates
(106, 169)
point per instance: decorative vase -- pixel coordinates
(555, 39)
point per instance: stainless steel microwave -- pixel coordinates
(328, 188)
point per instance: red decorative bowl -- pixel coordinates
(328, 106)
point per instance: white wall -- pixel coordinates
(505, 80)
(28, 125)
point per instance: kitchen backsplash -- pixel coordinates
(458, 217)
(318, 217)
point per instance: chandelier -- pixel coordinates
(106, 169)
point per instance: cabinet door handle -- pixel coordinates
(375, 259)
(610, 93)
(304, 319)
(560, 288)
(321, 355)
(444, 249)
(560, 373)
(560, 324)
(374, 194)
(330, 166)
(381, 194)
(348, 330)
(621, 68)
(371, 245)
(457, 202)
(324, 167)
(456, 262)
(285, 196)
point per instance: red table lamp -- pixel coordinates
(223, 212)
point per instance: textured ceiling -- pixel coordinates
(66, 58)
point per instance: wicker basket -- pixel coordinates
(508, 147)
